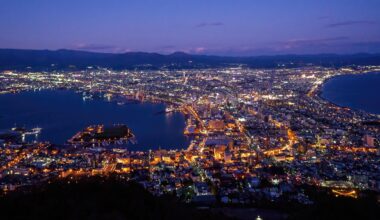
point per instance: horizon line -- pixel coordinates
(192, 54)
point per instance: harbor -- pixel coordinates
(63, 113)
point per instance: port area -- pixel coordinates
(18, 134)
(101, 135)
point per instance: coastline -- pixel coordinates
(319, 92)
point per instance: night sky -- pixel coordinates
(221, 27)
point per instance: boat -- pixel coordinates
(25, 131)
(87, 97)
(169, 109)
(34, 131)
(19, 129)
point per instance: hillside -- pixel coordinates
(95, 198)
(13, 59)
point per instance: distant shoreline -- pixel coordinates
(319, 92)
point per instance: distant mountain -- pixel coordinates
(14, 59)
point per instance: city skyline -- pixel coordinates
(243, 28)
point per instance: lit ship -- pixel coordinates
(24, 131)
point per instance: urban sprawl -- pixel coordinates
(256, 134)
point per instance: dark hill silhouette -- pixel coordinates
(14, 59)
(95, 198)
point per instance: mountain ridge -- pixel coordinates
(23, 59)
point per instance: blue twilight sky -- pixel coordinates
(221, 27)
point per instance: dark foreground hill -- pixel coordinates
(95, 198)
(13, 59)
(113, 198)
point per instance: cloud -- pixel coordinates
(168, 49)
(340, 45)
(366, 46)
(209, 24)
(351, 23)
(294, 46)
(333, 44)
(199, 49)
(312, 42)
(93, 46)
(99, 48)
(312, 45)
(194, 50)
